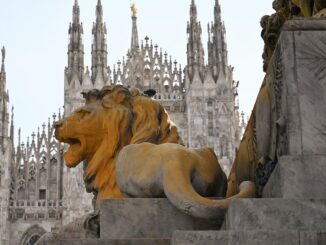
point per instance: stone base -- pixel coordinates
(254, 237)
(276, 214)
(301, 177)
(147, 218)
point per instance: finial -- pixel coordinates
(134, 10)
(19, 136)
(3, 52)
(12, 115)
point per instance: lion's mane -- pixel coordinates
(131, 118)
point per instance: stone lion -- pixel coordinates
(134, 150)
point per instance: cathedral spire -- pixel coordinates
(193, 11)
(217, 11)
(75, 46)
(99, 49)
(134, 36)
(4, 100)
(217, 50)
(99, 12)
(195, 51)
(2, 75)
(3, 57)
(12, 127)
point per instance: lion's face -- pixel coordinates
(83, 130)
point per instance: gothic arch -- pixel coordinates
(31, 235)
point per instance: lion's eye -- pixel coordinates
(82, 113)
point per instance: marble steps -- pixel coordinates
(134, 241)
(252, 237)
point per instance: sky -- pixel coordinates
(35, 34)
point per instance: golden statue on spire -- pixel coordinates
(134, 10)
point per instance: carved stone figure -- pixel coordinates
(307, 8)
(271, 26)
(122, 136)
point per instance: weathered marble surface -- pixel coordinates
(298, 177)
(146, 218)
(276, 214)
(256, 237)
(303, 61)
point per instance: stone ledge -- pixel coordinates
(310, 24)
(111, 242)
(147, 218)
(276, 214)
(254, 237)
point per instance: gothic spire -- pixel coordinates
(12, 127)
(217, 50)
(4, 100)
(75, 46)
(217, 11)
(195, 51)
(3, 57)
(99, 12)
(193, 11)
(134, 35)
(99, 49)
(2, 75)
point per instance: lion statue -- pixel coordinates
(132, 149)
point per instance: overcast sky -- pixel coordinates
(35, 34)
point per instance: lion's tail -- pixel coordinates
(179, 190)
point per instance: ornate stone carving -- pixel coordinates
(279, 92)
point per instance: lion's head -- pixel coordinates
(111, 119)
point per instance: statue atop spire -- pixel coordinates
(3, 52)
(99, 11)
(193, 11)
(134, 34)
(134, 10)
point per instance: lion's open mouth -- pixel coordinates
(75, 151)
(71, 141)
(74, 145)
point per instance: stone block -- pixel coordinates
(276, 214)
(147, 218)
(303, 64)
(298, 177)
(255, 237)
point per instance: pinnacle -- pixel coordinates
(3, 52)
